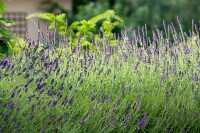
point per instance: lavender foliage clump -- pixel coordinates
(106, 88)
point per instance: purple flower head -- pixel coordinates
(13, 95)
(74, 118)
(83, 120)
(46, 64)
(118, 103)
(30, 81)
(41, 91)
(70, 87)
(54, 103)
(24, 69)
(143, 121)
(32, 109)
(52, 81)
(4, 63)
(40, 80)
(35, 48)
(60, 118)
(52, 116)
(6, 118)
(113, 119)
(30, 97)
(27, 75)
(61, 87)
(39, 86)
(71, 102)
(93, 98)
(31, 66)
(38, 24)
(10, 105)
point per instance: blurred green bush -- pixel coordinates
(141, 12)
(134, 12)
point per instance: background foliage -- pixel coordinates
(140, 12)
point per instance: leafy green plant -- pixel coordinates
(84, 31)
(7, 40)
(145, 90)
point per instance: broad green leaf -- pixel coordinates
(60, 19)
(6, 22)
(2, 8)
(74, 25)
(46, 16)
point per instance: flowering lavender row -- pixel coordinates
(133, 84)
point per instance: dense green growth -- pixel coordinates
(83, 32)
(146, 90)
(141, 12)
(7, 40)
(151, 88)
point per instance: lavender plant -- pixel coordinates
(148, 89)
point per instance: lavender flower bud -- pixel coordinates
(10, 105)
(32, 109)
(143, 121)
(54, 103)
(71, 102)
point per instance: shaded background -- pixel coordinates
(134, 12)
(138, 12)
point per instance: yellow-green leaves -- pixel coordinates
(106, 15)
(85, 29)
(7, 39)
(2, 8)
(57, 21)
(6, 22)
(45, 16)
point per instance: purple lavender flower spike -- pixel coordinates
(32, 109)
(10, 105)
(27, 75)
(5, 63)
(35, 58)
(113, 119)
(52, 116)
(13, 95)
(30, 81)
(30, 97)
(83, 120)
(143, 121)
(6, 118)
(60, 118)
(93, 98)
(71, 102)
(54, 103)
(74, 118)
(39, 86)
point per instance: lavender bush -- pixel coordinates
(151, 88)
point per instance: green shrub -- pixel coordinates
(140, 12)
(7, 40)
(84, 31)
